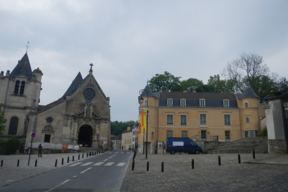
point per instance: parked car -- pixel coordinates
(185, 145)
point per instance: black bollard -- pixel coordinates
(18, 163)
(253, 154)
(192, 163)
(36, 163)
(162, 167)
(73, 158)
(56, 163)
(239, 159)
(87, 154)
(2, 163)
(67, 159)
(78, 156)
(62, 161)
(133, 166)
(147, 165)
(219, 160)
(82, 155)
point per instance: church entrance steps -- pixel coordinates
(247, 145)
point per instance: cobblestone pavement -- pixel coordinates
(207, 175)
(10, 173)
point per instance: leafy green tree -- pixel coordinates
(221, 86)
(165, 83)
(264, 87)
(190, 84)
(117, 127)
(2, 121)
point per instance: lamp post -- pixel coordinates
(141, 101)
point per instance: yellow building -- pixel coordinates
(126, 140)
(200, 116)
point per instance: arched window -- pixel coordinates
(13, 126)
(22, 87)
(16, 89)
(247, 119)
(246, 105)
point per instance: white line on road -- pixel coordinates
(88, 163)
(85, 170)
(109, 164)
(105, 159)
(58, 185)
(99, 163)
(74, 164)
(120, 164)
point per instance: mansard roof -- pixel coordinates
(22, 68)
(249, 93)
(148, 91)
(197, 95)
(76, 82)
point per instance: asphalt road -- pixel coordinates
(103, 172)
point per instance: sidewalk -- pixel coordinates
(277, 159)
(10, 173)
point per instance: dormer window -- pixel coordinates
(226, 103)
(246, 105)
(182, 102)
(169, 102)
(202, 102)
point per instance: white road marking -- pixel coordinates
(99, 163)
(120, 164)
(88, 163)
(105, 159)
(74, 164)
(86, 170)
(58, 185)
(109, 164)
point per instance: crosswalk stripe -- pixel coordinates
(120, 164)
(109, 164)
(99, 163)
(88, 163)
(74, 164)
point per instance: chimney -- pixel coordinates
(2, 74)
(7, 73)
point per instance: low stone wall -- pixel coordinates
(277, 146)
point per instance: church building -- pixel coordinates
(80, 116)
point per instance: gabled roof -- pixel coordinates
(148, 91)
(22, 68)
(76, 82)
(249, 93)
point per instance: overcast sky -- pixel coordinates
(130, 41)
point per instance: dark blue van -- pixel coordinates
(185, 145)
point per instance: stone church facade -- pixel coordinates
(80, 116)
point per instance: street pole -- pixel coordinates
(147, 128)
(30, 151)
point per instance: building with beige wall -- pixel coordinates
(200, 116)
(126, 143)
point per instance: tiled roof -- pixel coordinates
(249, 93)
(22, 68)
(148, 91)
(197, 95)
(78, 79)
(45, 107)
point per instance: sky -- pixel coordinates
(130, 41)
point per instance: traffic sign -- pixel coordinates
(33, 134)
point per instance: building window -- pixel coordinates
(226, 103)
(246, 105)
(169, 119)
(47, 138)
(202, 119)
(247, 120)
(16, 88)
(13, 126)
(22, 87)
(146, 103)
(203, 134)
(182, 103)
(183, 120)
(169, 134)
(227, 135)
(227, 119)
(184, 134)
(169, 102)
(152, 135)
(202, 102)
(246, 134)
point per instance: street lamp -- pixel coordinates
(141, 101)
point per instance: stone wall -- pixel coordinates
(277, 146)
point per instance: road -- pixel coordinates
(104, 172)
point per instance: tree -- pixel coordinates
(2, 121)
(221, 86)
(190, 84)
(117, 127)
(165, 83)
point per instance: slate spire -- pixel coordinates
(78, 79)
(22, 68)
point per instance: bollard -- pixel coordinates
(219, 160)
(78, 156)
(67, 159)
(162, 167)
(87, 154)
(82, 155)
(62, 161)
(253, 154)
(56, 163)
(133, 166)
(239, 159)
(2, 163)
(73, 158)
(147, 165)
(192, 163)
(18, 163)
(36, 163)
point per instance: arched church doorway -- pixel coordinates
(85, 135)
